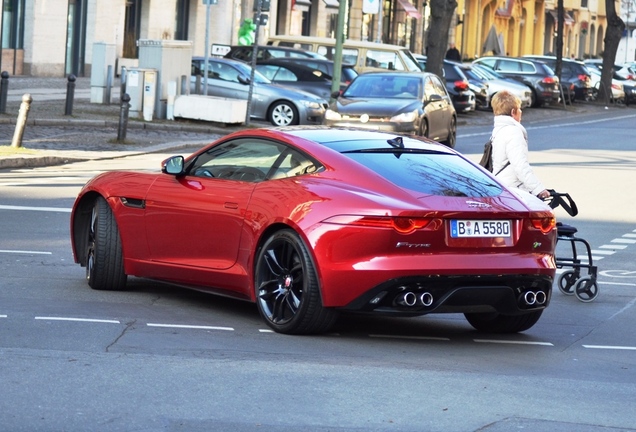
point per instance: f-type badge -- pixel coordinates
(477, 204)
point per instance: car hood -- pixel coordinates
(374, 106)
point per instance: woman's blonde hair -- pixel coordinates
(504, 102)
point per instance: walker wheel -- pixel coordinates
(566, 282)
(586, 289)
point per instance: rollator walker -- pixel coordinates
(571, 281)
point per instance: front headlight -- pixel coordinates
(311, 104)
(405, 117)
(332, 115)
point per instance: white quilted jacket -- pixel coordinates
(510, 144)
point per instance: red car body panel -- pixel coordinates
(204, 233)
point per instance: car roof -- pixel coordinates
(349, 139)
(299, 60)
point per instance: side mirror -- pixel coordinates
(336, 94)
(173, 166)
(243, 79)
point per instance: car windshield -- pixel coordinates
(431, 173)
(383, 86)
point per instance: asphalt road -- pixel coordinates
(160, 358)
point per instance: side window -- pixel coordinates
(294, 164)
(429, 88)
(488, 62)
(508, 66)
(440, 88)
(384, 59)
(527, 67)
(248, 160)
(223, 72)
(268, 70)
(284, 74)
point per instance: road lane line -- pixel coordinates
(615, 246)
(409, 337)
(3, 316)
(512, 342)
(610, 347)
(624, 240)
(44, 209)
(617, 283)
(93, 320)
(25, 252)
(602, 252)
(629, 235)
(196, 327)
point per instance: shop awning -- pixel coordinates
(335, 4)
(409, 9)
(567, 18)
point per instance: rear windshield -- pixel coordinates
(429, 173)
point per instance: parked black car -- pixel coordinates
(574, 75)
(266, 52)
(457, 84)
(535, 74)
(302, 75)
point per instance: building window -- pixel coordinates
(181, 24)
(13, 24)
(584, 4)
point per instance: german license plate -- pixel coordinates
(480, 228)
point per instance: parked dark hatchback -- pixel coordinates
(574, 75)
(535, 74)
(302, 77)
(402, 102)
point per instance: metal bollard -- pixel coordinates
(122, 81)
(4, 91)
(197, 85)
(70, 95)
(22, 119)
(123, 118)
(109, 84)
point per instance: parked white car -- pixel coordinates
(497, 83)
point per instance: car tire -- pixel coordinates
(498, 323)
(534, 101)
(283, 113)
(423, 129)
(452, 134)
(104, 257)
(287, 289)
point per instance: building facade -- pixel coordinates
(56, 37)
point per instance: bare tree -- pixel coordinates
(613, 34)
(442, 12)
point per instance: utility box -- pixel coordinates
(104, 55)
(141, 86)
(171, 59)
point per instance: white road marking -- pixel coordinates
(629, 235)
(610, 347)
(197, 327)
(603, 252)
(615, 246)
(619, 283)
(266, 331)
(78, 320)
(512, 342)
(624, 240)
(409, 337)
(25, 252)
(3, 316)
(44, 209)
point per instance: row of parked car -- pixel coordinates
(293, 86)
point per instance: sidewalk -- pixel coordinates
(51, 137)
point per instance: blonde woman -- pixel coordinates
(510, 146)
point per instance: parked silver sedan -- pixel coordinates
(497, 83)
(279, 105)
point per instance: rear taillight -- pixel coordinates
(461, 85)
(545, 225)
(549, 80)
(584, 78)
(403, 225)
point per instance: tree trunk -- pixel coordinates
(613, 34)
(442, 12)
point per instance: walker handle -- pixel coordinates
(564, 200)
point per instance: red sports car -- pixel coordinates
(308, 222)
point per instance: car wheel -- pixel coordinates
(498, 323)
(283, 114)
(534, 102)
(423, 131)
(287, 287)
(104, 258)
(452, 134)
